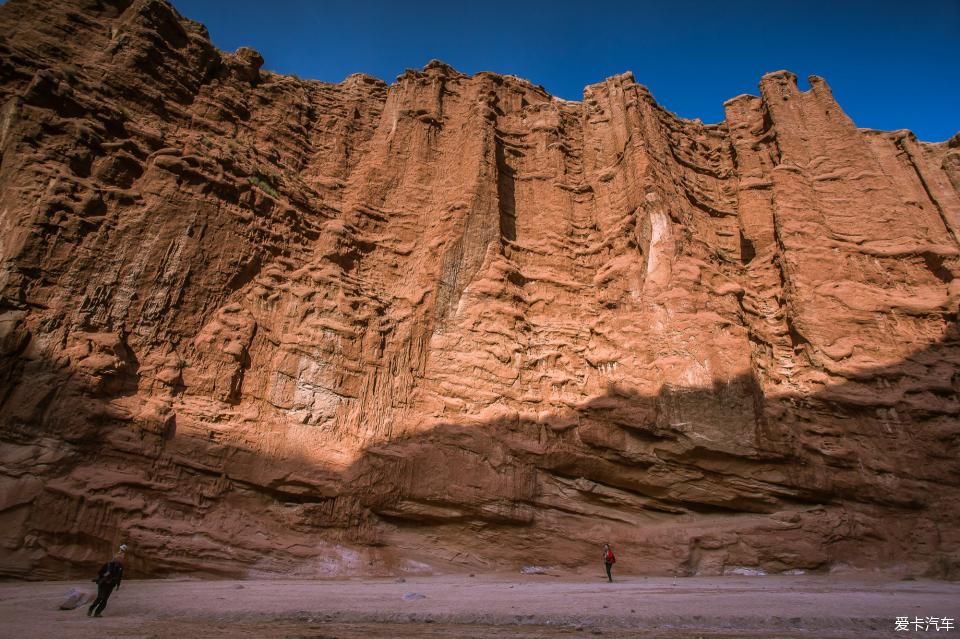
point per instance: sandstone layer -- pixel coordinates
(252, 324)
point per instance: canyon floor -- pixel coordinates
(500, 606)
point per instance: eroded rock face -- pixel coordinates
(255, 324)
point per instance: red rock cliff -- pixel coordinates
(251, 323)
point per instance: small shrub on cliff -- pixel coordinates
(264, 186)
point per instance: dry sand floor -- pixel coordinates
(495, 606)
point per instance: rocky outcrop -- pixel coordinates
(256, 324)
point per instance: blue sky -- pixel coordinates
(892, 65)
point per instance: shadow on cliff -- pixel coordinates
(885, 445)
(869, 470)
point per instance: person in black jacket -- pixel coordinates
(608, 560)
(109, 577)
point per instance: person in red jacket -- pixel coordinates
(608, 560)
(108, 578)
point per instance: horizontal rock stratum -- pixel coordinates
(252, 324)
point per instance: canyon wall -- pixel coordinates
(252, 324)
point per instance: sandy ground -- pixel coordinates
(496, 606)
